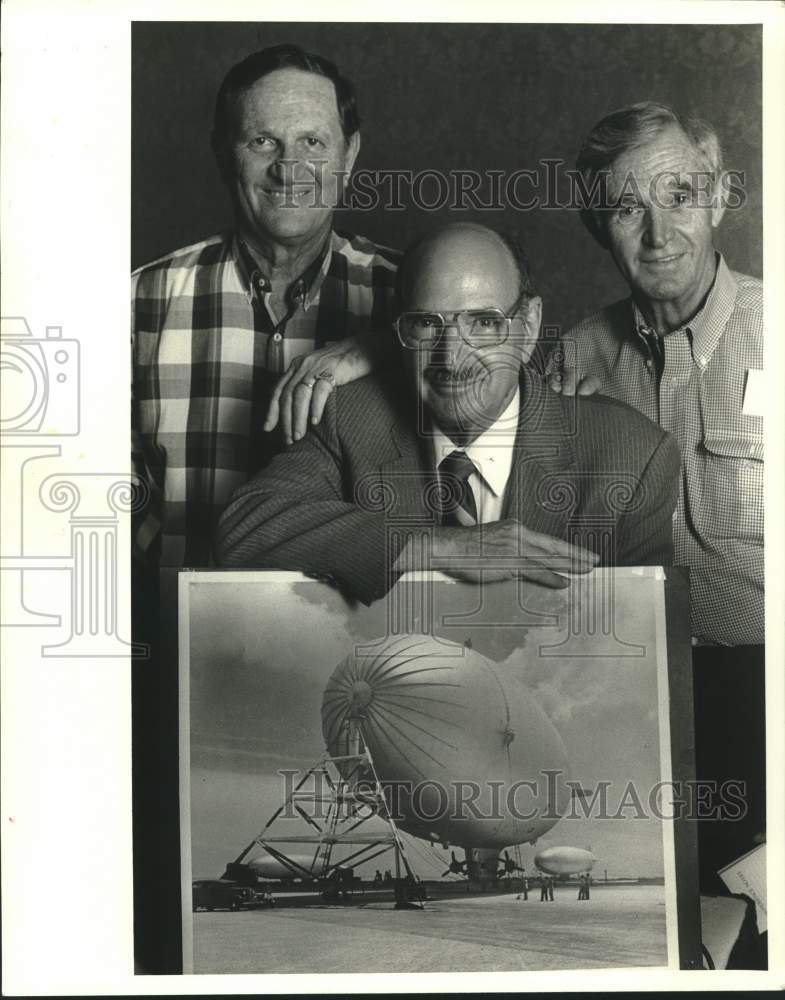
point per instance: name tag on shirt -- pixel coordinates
(754, 393)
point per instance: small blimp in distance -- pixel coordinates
(265, 866)
(564, 860)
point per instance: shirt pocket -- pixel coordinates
(732, 506)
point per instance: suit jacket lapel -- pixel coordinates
(406, 473)
(539, 488)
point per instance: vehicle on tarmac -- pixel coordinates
(216, 894)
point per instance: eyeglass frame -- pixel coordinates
(509, 317)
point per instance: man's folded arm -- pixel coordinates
(646, 533)
(293, 515)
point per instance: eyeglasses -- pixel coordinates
(478, 327)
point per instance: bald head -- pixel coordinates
(456, 285)
(460, 259)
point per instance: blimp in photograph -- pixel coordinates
(564, 861)
(284, 868)
(473, 759)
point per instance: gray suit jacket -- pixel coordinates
(343, 502)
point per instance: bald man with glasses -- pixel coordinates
(460, 459)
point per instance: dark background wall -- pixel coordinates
(453, 97)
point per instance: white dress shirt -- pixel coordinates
(492, 455)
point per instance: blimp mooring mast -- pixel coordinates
(337, 796)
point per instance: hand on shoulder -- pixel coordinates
(567, 382)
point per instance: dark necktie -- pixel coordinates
(458, 506)
(656, 349)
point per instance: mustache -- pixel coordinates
(466, 373)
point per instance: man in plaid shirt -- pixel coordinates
(686, 349)
(259, 322)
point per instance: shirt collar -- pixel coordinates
(492, 451)
(706, 327)
(303, 290)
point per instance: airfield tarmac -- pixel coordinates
(620, 926)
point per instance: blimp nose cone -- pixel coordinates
(360, 695)
(403, 691)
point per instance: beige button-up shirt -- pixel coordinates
(704, 398)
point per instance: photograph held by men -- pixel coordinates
(233, 333)
(685, 348)
(473, 450)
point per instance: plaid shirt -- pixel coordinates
(207, 351)
(699, 398)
